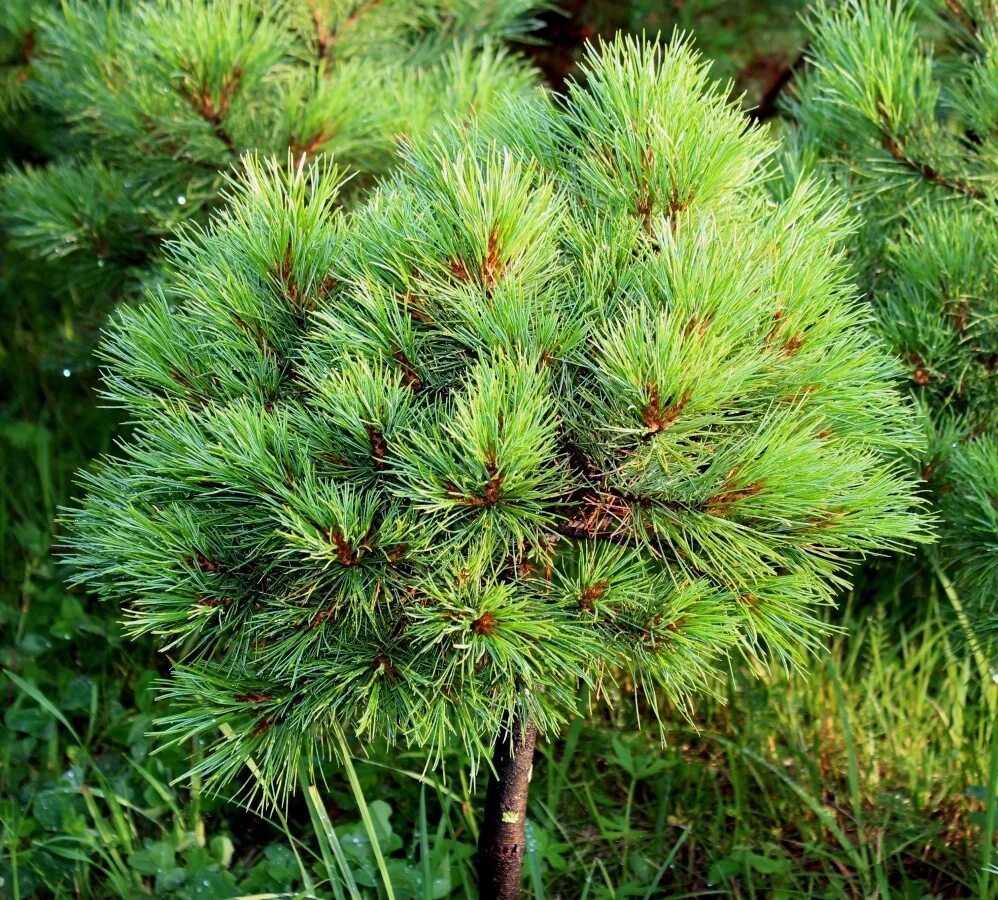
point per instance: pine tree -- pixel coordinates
(569, 401)
(900, 107)
(153, 101)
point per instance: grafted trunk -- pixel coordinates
(501, 843)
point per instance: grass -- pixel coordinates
(869, 778)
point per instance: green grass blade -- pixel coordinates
(424, 846)
(269, 794)
(665, 864)
(852, 761)
(29, 688)
(329, 845)
(365, 813)
(534, 861)
(817, 808)
(985, 888)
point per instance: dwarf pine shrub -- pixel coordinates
(570, 401)
(907, 126)
(154, 101)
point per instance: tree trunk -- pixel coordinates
(500, 845)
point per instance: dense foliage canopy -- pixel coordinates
(900, 107)
(570, 399)
(148, 103)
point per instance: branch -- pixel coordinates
(579, 533)
(893, 146)
(963, 18)
(204, 105)
(769, 101)
(323, 38)
(326, 39)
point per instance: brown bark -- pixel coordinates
(501, 843)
